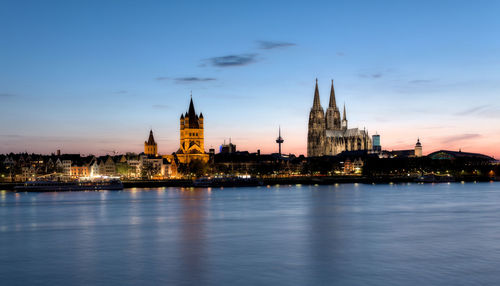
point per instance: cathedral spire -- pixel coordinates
(332, 98)
(316, 104)
(344, 116)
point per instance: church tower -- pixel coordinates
(344, 120)
(418, 148)
(332, 113)
(192, 138)
(150, 146)
(316, 132)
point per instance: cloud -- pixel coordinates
(371, 75)
(269, 45)
(193, 79)
(460, 137)
(471, 110)
(432, 127)
(120, 92)
(340, 54)
(233, 60)
(7, 95)
(161, 106)
(421, 81)
(162, 78)
(484, 111)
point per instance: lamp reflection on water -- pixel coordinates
(192, 235)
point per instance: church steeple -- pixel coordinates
(191, 112)
(191, 115)
(332, 112)
(344, 119)
(150, 146)
(316, 103)
(332, 98)
(316, 128)
(151, 139)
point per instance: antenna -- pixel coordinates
(279, 140)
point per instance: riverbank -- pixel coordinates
(311, 180)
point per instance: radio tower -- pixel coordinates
(279, 140)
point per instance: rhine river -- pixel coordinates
(352, 234)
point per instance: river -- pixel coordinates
(347, 234)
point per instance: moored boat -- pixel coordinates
(56, 186)
(432, 178)
(227, 182)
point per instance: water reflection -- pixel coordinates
(192, 235)
(442, 234)
(325, 246)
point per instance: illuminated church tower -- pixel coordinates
(150, 146)
(332, 113)
(317, 128)
(192, 142)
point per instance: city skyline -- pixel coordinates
(95, 77)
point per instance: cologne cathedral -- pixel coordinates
(328, 135)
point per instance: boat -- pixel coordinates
(432, 178)
(57, 186)
(207, 182)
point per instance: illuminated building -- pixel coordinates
(418, 148)
(150, 146)
(459, 155)
(410, 153)
(328, 135)
(192, 138)
(79, 170)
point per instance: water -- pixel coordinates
(444, 234)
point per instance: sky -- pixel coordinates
(95, 76)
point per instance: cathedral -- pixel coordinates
(192, 145)
(328, 135)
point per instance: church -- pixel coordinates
(192, 138)
(328, 134)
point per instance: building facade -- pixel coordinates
(328, 134)
(192, 137)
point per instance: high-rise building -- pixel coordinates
(328, 135)
(377, 148)
(191, 137)
(227, 148)
(150, 146)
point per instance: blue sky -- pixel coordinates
(94, 76)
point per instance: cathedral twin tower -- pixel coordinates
(328, 135)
